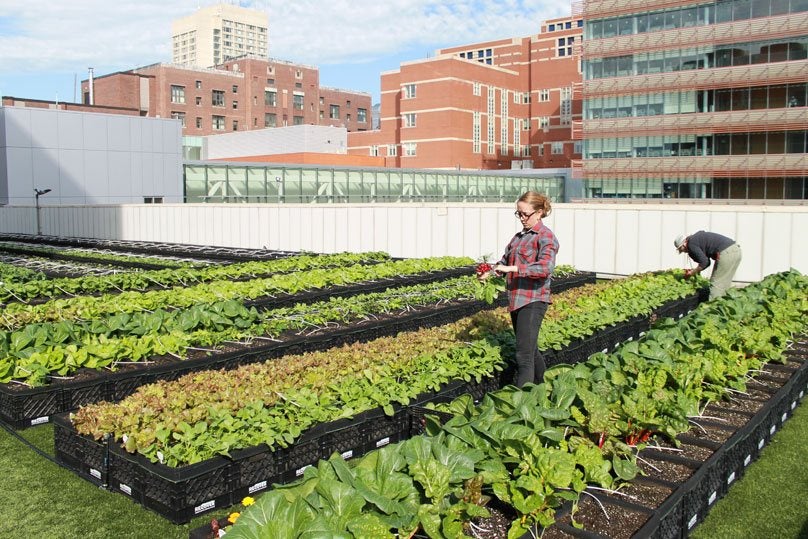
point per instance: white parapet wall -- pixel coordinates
(618, 239)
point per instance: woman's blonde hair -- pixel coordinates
(537, 201)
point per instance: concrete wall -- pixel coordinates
(87, 158)
(279, 140)
(616, 239)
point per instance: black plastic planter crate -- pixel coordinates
(293, 460)
(178, 494)
(28, 407)
(87, 457)
(383, 430)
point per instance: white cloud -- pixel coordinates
(42, 35)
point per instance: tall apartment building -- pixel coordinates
(216, 34)
(695, 99)
(491, 105)
(239, 95)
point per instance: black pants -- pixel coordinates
(526, 323)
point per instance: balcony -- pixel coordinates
(765, 28)
(717, 166)
(701, 79)
(742, 121)
(597, 9)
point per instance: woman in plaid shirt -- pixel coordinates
(528, 264)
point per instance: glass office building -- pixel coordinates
(694, 99)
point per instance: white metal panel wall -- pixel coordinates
(88, 158)
(615, 239)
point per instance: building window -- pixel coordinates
(297, 101)
(298, 85)
(409, 120)
(544, 95)
(235, 125)
(544, 122)
(199, 85)
(218, 123)
(298, 74)
(235, 89)
(577, 147)
(334, 112)
(409, 149)
(177, 94)
(198, 122)
(565, 46)
(179, 116)
(392, 150)
(322, 115)
(409, 91)
(271, 98)
(540, 150)
(374, 151)
(198, 101)
(270, 120)
(557, 148)
(348, 104)
(297, 120)
(361, 115)
(152, 200)
(235, 104)
(475, 88)
(217, 98)
(271, 82)
(475, 132)
(347, 117)
(525, 124)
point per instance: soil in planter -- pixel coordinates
(743, 404)
(705, 431)
(763, 383)
(554, 532)
(661, 469)
(694, 452)
(644, 493)
(726, 417)
(621, 522)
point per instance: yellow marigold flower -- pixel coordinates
(233, 517)
(248, 501)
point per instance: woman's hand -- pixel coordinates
(499, 268)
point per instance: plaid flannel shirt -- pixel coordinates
(533, 252)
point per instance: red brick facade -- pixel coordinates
(242, 94)
(482, 106)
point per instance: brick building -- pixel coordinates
(491, 105)
(239, 95)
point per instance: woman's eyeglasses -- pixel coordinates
(523, 215)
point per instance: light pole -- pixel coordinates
(39, 192)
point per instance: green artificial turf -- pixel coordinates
(771, 499)
(40, 499)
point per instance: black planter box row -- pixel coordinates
(691, 500)
(155, 248)
(180, 494)
(23, 408)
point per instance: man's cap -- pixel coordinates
(680, 239)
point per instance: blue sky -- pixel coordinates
(48, 45)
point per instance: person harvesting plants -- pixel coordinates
(528, 264)
(701, 247)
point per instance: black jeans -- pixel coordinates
(526, 323)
